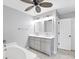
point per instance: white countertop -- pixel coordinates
(42, 36)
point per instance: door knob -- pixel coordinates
(69, 35)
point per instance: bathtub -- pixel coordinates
(14, 51)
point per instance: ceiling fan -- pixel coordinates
(37, 4)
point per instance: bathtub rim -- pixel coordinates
(26, 52)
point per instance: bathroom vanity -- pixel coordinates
(44, 37)
(42, 44)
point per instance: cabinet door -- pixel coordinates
(46, 46)
(42, 45)
(31, 43)
(37, 43)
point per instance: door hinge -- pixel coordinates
(69, 35)
(58, 22)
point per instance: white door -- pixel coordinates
(65, 34)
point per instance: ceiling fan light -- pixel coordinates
(38, 9)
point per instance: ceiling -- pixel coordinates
(63, 6)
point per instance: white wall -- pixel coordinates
(13, 20)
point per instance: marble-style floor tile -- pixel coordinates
(62, 54)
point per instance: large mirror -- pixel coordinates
(48, 26)
(44, 26)
(38, 27)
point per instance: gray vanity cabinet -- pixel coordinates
(44, 45)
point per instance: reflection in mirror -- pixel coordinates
(48, 26)
(38, 27)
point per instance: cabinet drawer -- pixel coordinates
(31, 38)
(46, 40)
(37, 39)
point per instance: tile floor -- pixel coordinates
(62, 54)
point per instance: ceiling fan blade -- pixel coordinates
(46, 4)
(38, 9)
(28, 1)
(39, 1)
(29, 8)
